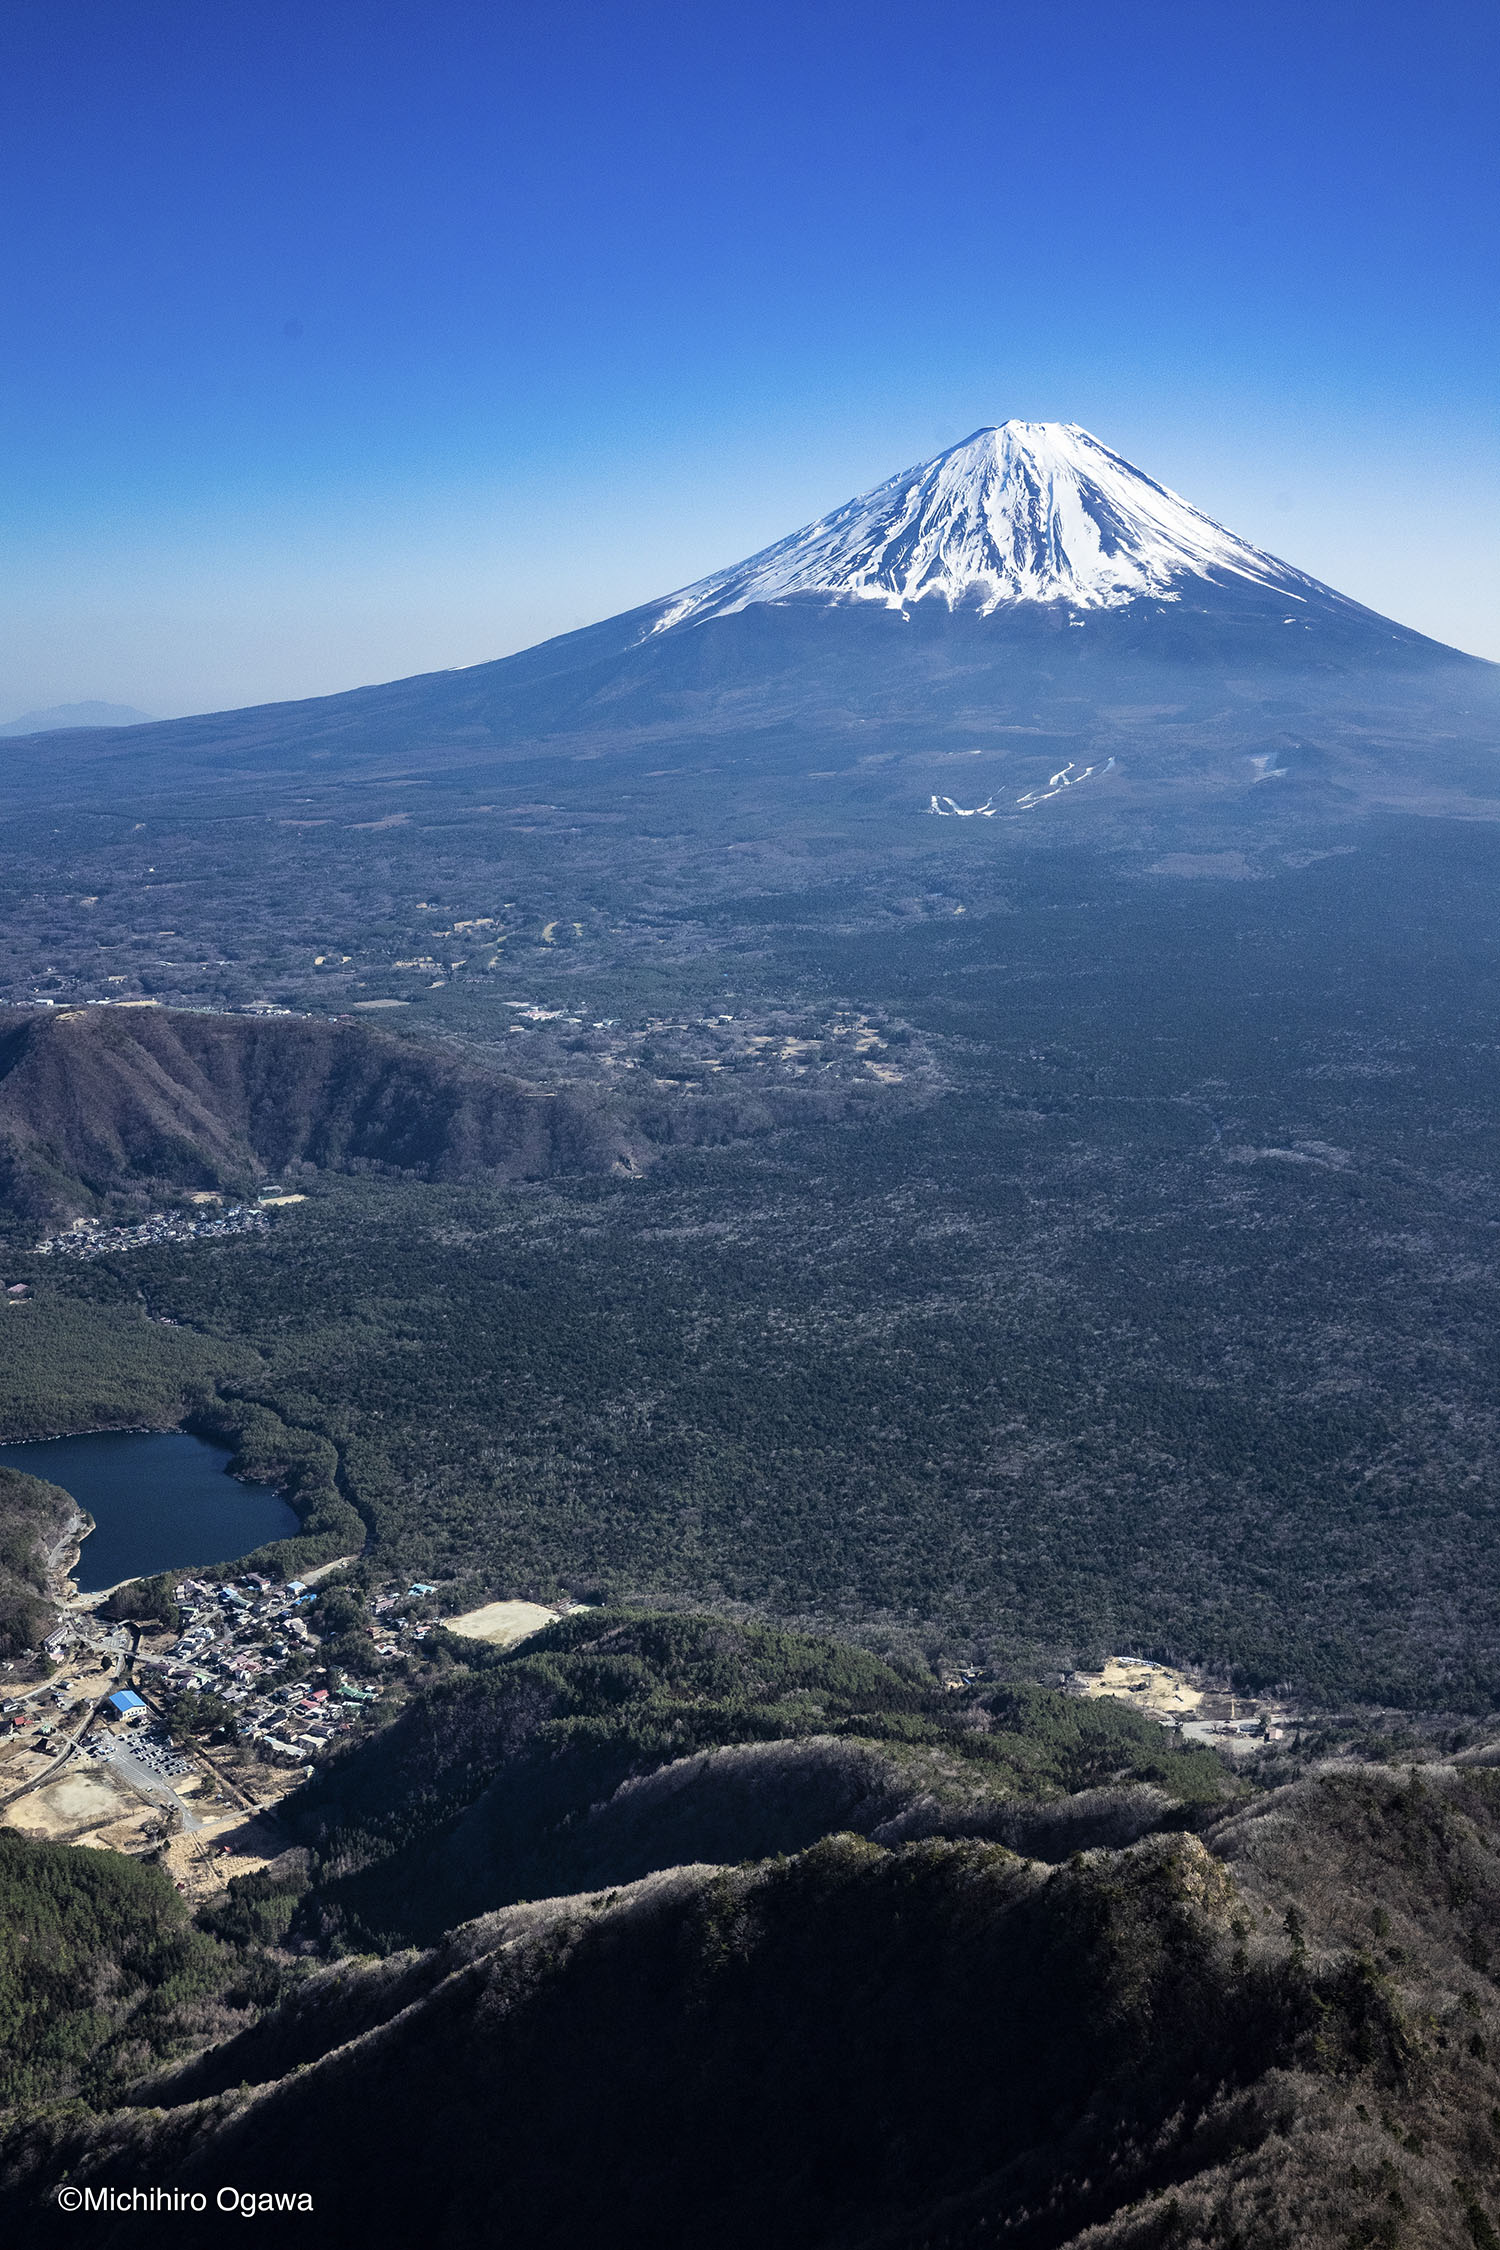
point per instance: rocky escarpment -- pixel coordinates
(114, 1110)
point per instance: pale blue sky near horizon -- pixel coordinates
(343, 341)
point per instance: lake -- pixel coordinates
(159, 1499)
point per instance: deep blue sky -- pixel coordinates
(347, 338)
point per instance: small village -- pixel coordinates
(92, 1755)
(207, 1219)
(97, 1754)
(780, 1043)
(237, 1638)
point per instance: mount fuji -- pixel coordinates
(1026, 512)
(1026, 599)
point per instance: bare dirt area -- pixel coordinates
(502, 1623)
(22, 1769)
(1156, 1688)
(1234, 1724)
(95, 1804)
(316, 1576)
(88, 1797)
(203, 1862)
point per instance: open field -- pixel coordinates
(228, 1845)
(502, 1624)
(1155, 1688)
(90, 1803)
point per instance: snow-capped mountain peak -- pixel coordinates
(1026, 512)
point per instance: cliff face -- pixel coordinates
(103, 1103)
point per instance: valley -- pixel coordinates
(888, 1422)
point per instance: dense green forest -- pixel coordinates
(918, 1996)
(508, 1775)
(103, 1974)
(1165, 1316)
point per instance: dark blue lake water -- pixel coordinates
(159, 1499)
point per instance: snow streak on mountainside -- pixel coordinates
(1028, 512)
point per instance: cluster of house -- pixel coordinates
(90, 1238)
(35, 1716)
(90, 1645)
(235, 1642)
(784, 1041)
(24, 1718)
(80, 1636)
(183, 1006)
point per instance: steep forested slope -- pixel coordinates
(102, 1972)
(147, 1101)
(1272, 2034)
(613, 1745)
(36, 1522)
(1269, 2020)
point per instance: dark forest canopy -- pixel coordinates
(1278, 2009)
(526, 1775)
(1164, 1317)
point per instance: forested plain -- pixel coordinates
(1158, 1311)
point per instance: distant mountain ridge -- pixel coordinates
(115, 1109)
(105, 1103)
(58, 717)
